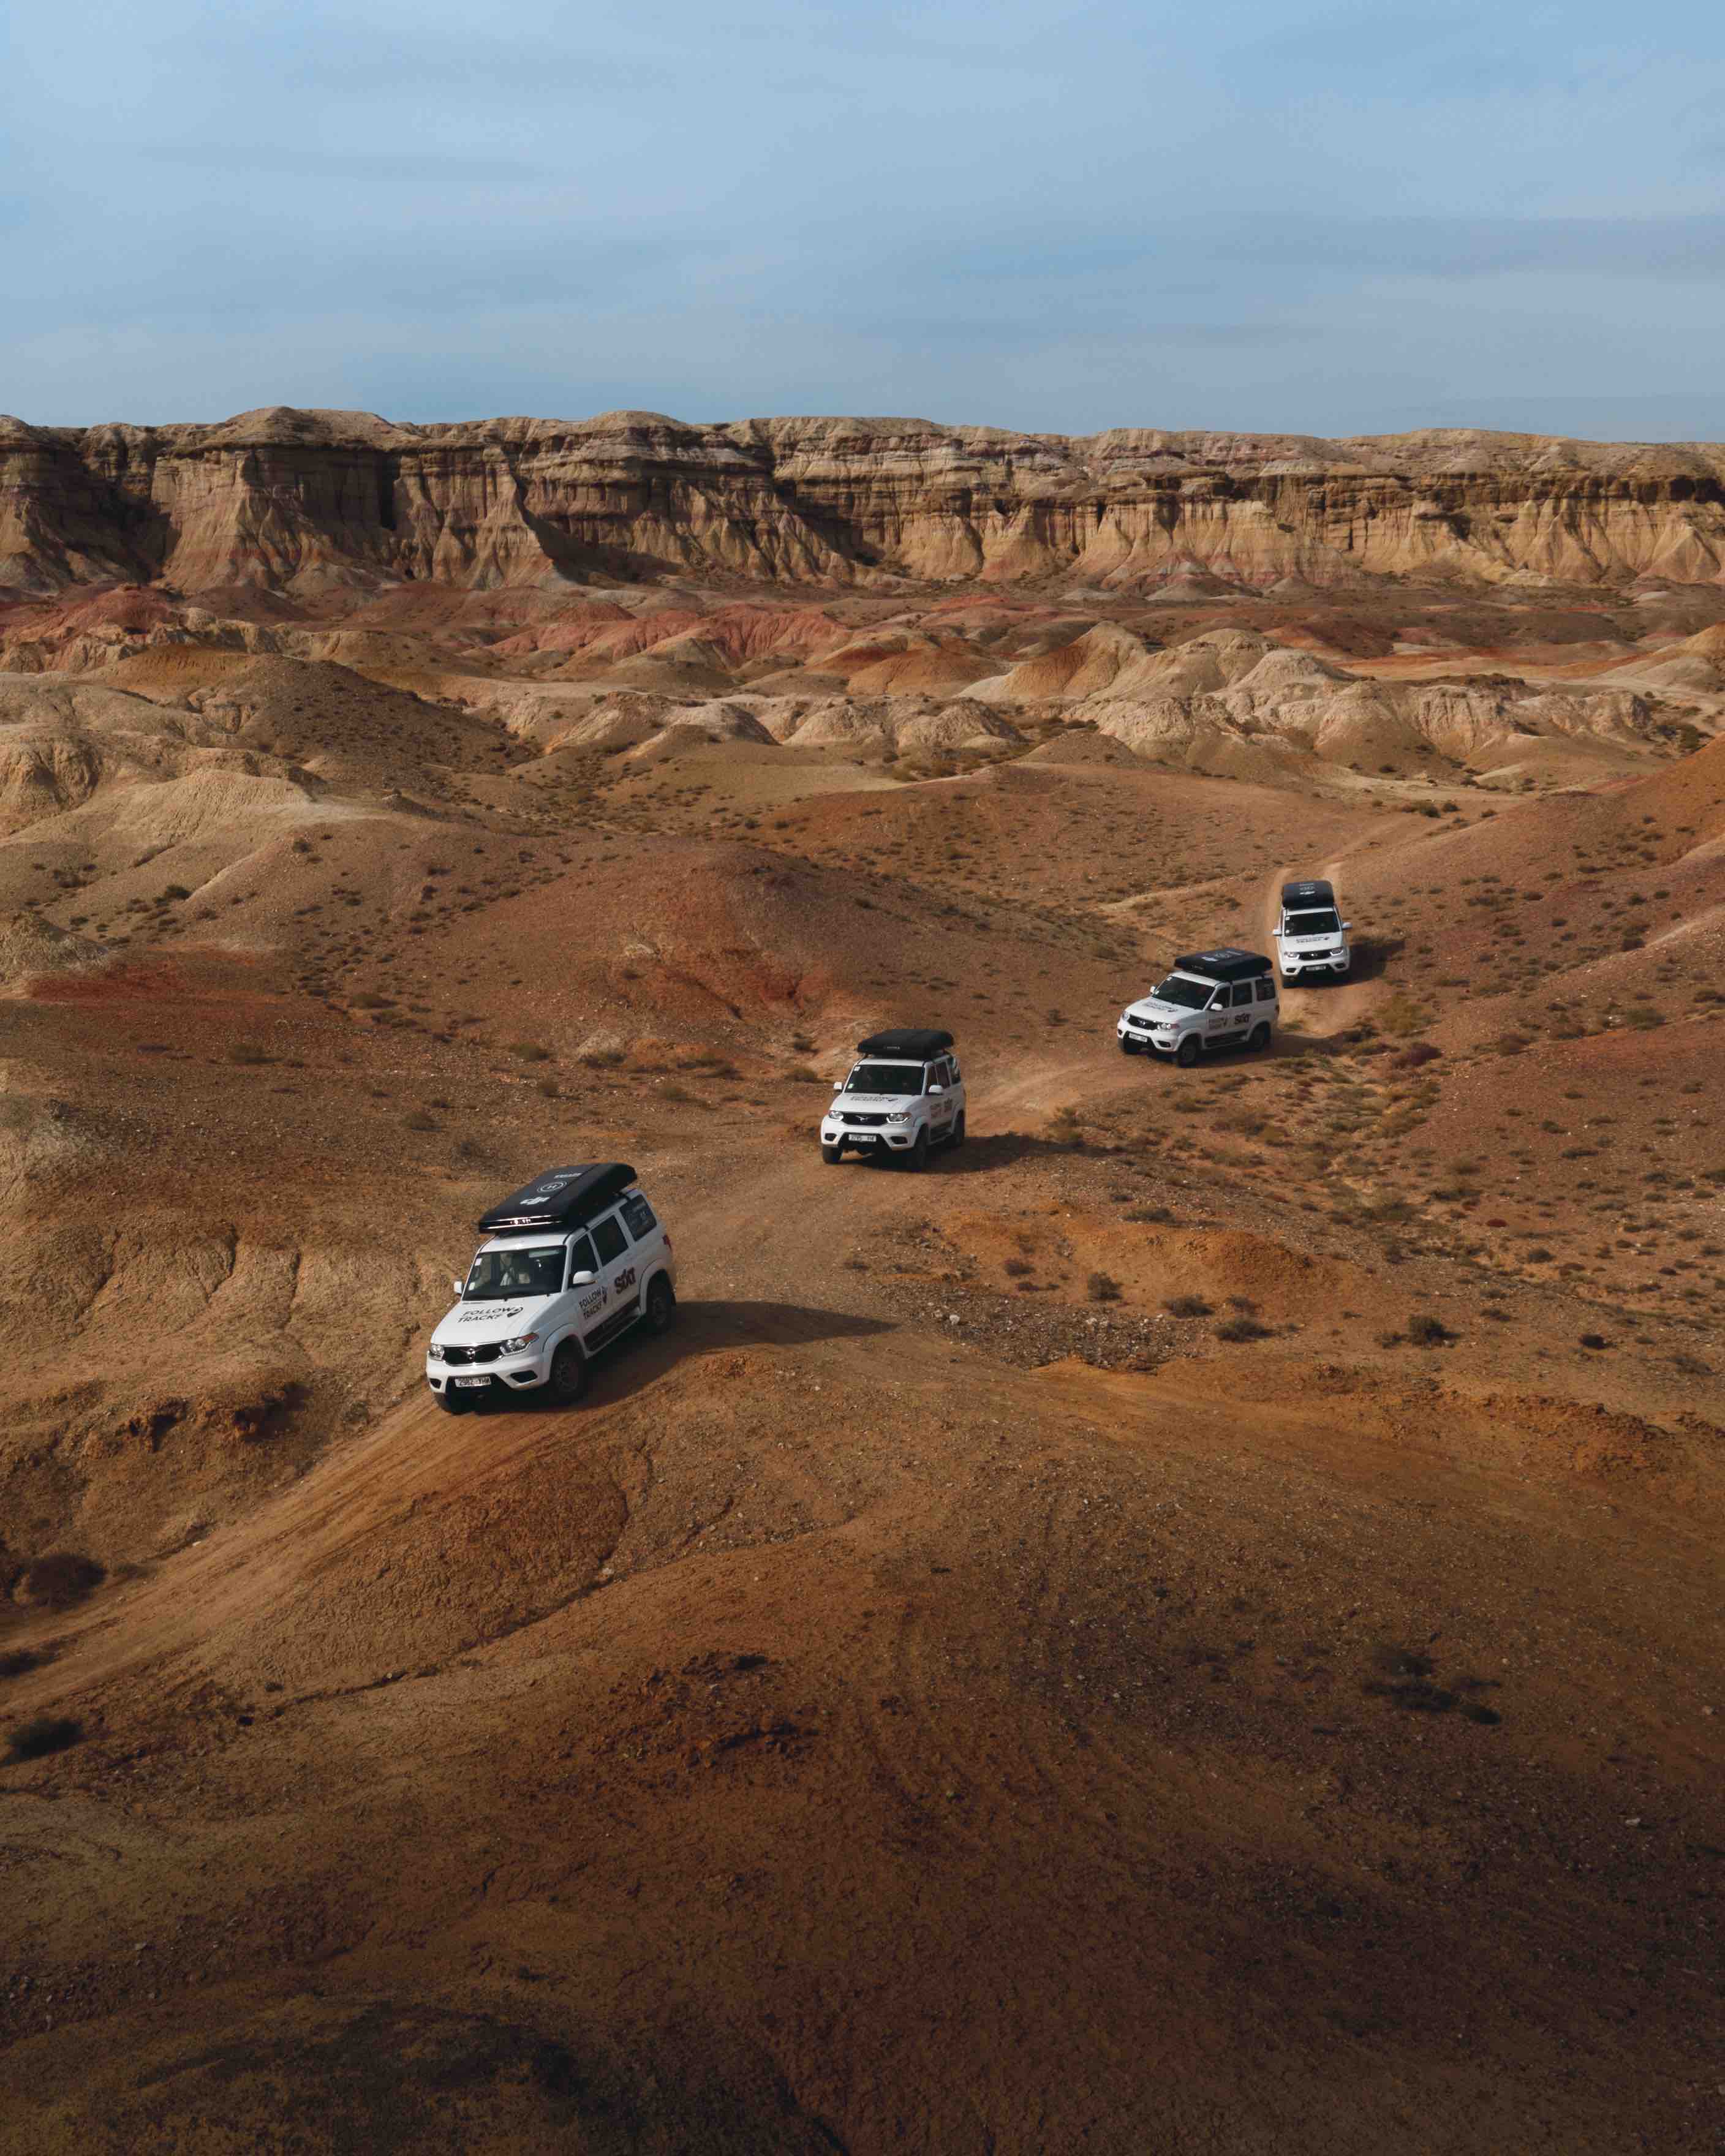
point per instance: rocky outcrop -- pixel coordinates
(307, 501)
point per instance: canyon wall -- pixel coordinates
(301, 501)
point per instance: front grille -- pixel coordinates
(459, 1355)
(872, 1121)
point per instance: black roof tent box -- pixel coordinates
(1225, 965)
(919, 1042)
(561, 1197)
(1296, 895)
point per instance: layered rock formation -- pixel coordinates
(305, 500)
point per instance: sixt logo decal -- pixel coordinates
(625, 1279)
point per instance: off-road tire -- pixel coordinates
(916, 1159)
(1260, 1040)
(1188, 1051)
(569, 1374)
(659, 1312)
(451, 1403)
(957, 1136)
(1128, 1048)
(832, 1155)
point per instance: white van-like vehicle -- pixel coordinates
(1212, 1000)
(1311, 935)
(904, 1098)
(571, 1260)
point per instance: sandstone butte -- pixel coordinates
(302, 500)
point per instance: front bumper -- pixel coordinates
(1323, 961)
(899, 1138)
(510, 1374)
(1152, 1042)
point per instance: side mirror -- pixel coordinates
(1346, 926)
(838, 1085)
(937, 1089)
(455, 1288)
(583, 1279)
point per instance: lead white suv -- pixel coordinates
(904, 1098)
(1311, 935)
(573, 1259)
(1212, 1000)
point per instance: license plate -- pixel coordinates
(865, 1137)
(469, 1381)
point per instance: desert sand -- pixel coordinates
(1194, 1625)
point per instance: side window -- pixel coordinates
(608, 1239)
(1242, 993)
(1266, 991)
(581, 1256)
(637, 1215)
(1218, 1001)
(958, 1074)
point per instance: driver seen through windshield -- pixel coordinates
(886, 1078)
(496, 1274)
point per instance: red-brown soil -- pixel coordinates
(1194, 1625)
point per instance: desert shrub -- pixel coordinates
(37, 1739)
(175, 890)
(56, 1581)
(1422, 1051)
(419, 1120)
(529, 1051)
(1644, 1018)
(602, 1059)
(1016, 1268)
(1103, 1287)
(369, 999)
(675, 1092)
(803, 1073)
(1150, 1215)
(1425, 1331)
(1400, 1016)
(1242, 1328)
(1187, 1306)
(1064, 1127)
(547, 1089)
(247, 1051)
(1595, 1340)
(1540, 1256)
(20, 1661)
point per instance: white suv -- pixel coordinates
(1212, 1000)
(905, 1097)
(1311, 935)
(571, 1259)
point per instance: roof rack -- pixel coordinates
(561, 1198)
(914, 1040)
(1227, 964)
(1315, 893)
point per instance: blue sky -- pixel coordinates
(1327, 218)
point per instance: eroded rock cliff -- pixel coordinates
(304, 500)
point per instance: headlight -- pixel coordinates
(518, 1346)
(435, 1352)
(900, 1115)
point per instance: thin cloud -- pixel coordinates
(413, 167)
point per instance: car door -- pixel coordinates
(620, 1294)
(942, 1109)
(1240, 1015)
(1217, 1021)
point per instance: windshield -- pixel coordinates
(497, 1276)
(1189, 995)
(1323, 923)
(886, 1078)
